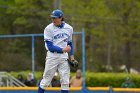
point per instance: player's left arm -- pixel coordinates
(72, 50)
(70, 43)
(72, 61)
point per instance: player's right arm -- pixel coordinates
(57, 49)
(53, 48)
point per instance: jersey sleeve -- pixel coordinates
(70, 43)
(48, 35)
(71, 33)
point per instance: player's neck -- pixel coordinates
(61, 25)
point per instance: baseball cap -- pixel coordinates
(56, 14)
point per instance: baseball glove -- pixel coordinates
(73, 63)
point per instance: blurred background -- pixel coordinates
(112, 30)
(112, 33)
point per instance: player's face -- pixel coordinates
(56, 21)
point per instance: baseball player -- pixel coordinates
(58, 42)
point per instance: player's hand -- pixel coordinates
(72, 57)
(67, 49)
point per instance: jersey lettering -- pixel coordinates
(61, 35)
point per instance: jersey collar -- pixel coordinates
(61, 25)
